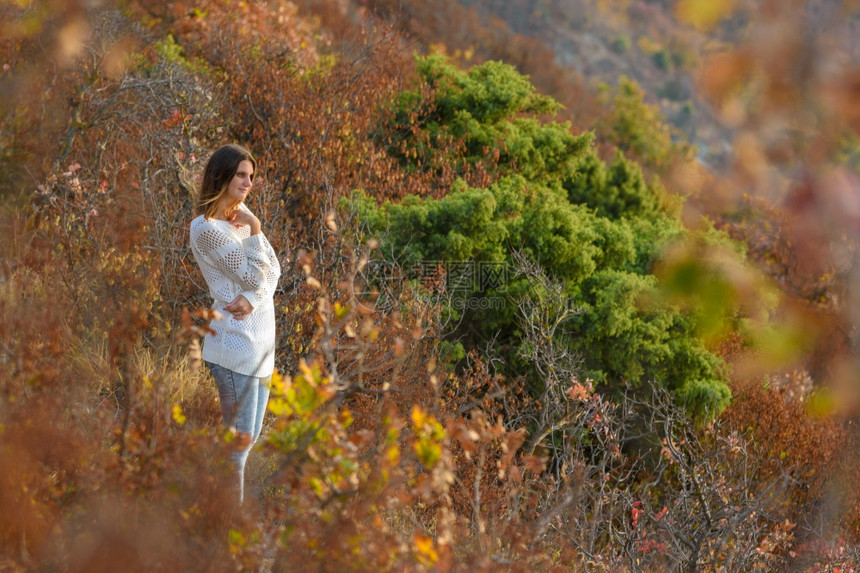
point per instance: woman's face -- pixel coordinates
(240, 185)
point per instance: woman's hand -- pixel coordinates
(240, 308)
(240, 217)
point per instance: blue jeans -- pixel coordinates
(243, 406)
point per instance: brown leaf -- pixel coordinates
(843, 99)
(465, 435)
(361, 438)
(534, 464)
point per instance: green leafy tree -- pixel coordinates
(638, 129)
(598, 228)
(487, 114)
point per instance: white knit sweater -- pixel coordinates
(233, 262)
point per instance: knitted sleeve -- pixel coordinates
(249, 263)
(268, 286)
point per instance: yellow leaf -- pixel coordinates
(339, 310)
(704, 14)
(317, 486)
(417, 416)
(277, 383)
(280, 407)
(178, 416)
(428, 452)
(425, 550)
(393, 455)
(237, 540)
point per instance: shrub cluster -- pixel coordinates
(574, 427)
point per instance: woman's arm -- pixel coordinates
(267, 288)
(246, 262)
(244, 216)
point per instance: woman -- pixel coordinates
(241, 271)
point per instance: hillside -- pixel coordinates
(644, 40)
(519, 326)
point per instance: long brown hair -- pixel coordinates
(220, 170)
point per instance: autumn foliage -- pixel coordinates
(664, 387)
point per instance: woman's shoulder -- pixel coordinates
(245, 208)
(201, 223)
(201, 227)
